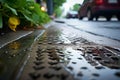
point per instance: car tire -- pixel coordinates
(108, 18)
(96, 18)
(118, 17)
(80, 17)
(89, 15)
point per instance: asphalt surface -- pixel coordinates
(57, 53)
(62, 54)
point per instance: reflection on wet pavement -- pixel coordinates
(57, 57)
(13, 55)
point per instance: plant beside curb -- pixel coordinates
(26, 12)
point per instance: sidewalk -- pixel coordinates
(13, 36)
(14, 48)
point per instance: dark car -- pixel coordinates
(96, 8)
(72, 14)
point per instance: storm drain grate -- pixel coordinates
(57, 58)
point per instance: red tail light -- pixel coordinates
(99, 2)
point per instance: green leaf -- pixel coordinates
(26, 11)
(1, 22)
(20, 3)
(35, 17)
(28, 17)
(12, 9)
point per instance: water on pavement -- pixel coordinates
(62, 54)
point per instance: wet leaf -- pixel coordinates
(12, 9)
(13, 22)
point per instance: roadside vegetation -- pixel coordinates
(57, 10)
(21, 13)
(76, 7)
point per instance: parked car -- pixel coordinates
(72, 14)
(96, 8)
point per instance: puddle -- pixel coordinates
(14, 54)
(89, 68)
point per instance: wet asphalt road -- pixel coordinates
(101, 31)
(62, 54)
(109, 29)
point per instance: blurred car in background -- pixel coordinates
(72, 14)
(96, 8)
